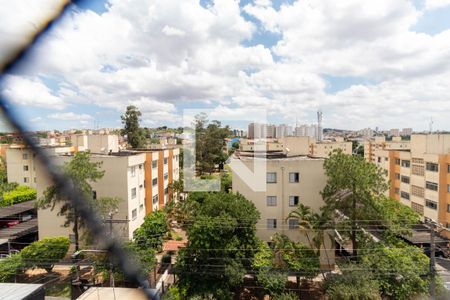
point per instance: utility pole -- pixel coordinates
(111, 273)
(432, 261)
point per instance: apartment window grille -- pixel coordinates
(155, 199)
(397, 161)
(404, 195)
(418, 170)
(405, 179)
(271, 223)
(133, 193)
(166, 176)
(431, 204)
(293, 200)
(25, 168)
(417, 207)
(293, 223)
(294, 177)
(397, 176)
(431, 186)
(154, 164)
(432, 167)
(134, 214)
(166, 160)
(133, 171)
(155, 181)
(25, 179)
(405, 163)
(271, 200)
(417, 191)
(416, 160)
(271, 177)
(25, 156)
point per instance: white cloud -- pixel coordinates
(435, 4)
(172, 31)
(30, 92)
(70, 116)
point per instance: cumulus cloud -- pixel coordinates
(30, 92)
(70, 116)
(435, 4)
(159, 54)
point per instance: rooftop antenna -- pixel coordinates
(431, 124)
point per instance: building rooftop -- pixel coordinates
(17, 291)
(106, 293)
(17, 208)
(283, 157)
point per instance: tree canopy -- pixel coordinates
(135, 134)
(221, 234)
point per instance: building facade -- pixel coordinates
(289, 181)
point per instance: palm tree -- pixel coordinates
(310, 222)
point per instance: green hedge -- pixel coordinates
(9, 267)
(18, 195)
(45, 253)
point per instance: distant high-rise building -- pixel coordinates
(319, 126)
(406, 132)
(394, 132)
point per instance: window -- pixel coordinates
(133, 193)
(134, 214)
(448, 188)
(397, 176)
(405, 163)
(271, 200)
(155, 181)
(25, 156)
(25, 179)
(404, 195)
(294, 177)
(34, 179)
(141, 207)
(293, 200)
(417, 207)
(386, 159)
(417, 191)
(397, 161)
(293, 223)
(133, 171)
(271, 223)
(141, 186)
(25, 168)
(405, 179)
(166, 190)
(397, 191)
(155, 199)
(431, 204)
(379, 159)
(432, 167)
(448, 168)
(94, 195)
(448, 208)
(166, 176)
(431, 186)
(418, 170)
(271, 177)
(166, 160)
(154, 164)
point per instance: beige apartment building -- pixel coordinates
(380, 143)
(124, 178)
(420, 175)
(290, 181)
(21, 163)
(297, 145)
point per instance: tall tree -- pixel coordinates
(353, 187)
(221, 236)
(210, 140)
(82, 172)
(135, 134)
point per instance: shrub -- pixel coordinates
(18, 195)
(9, 267)
(45, 253)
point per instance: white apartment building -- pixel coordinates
(290, 181)
(96, 143)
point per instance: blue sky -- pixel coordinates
(384, 66)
